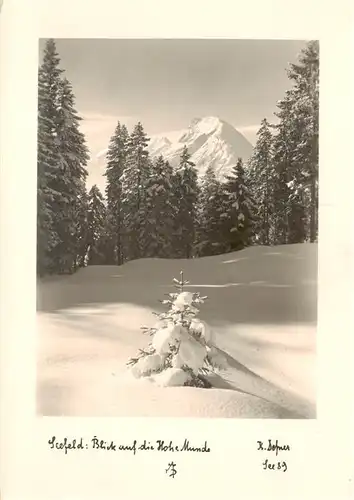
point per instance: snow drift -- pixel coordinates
(261, 309)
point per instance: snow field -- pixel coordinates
(260, 310)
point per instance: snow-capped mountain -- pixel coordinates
(210, 141)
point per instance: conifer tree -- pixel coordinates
(133, 182)
(305, 78)
(209, 232)
(285, 170)
(47, 237)
(296, 153)
(261, 181)
(159, 210)
(185, 186)
(181, 351)
(239, 208)
(48, 195)
(116, 159)
(62, 157)
(96, 221)
(70, 179)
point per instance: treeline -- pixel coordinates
(150, 209)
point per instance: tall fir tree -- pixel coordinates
(261, 181)
(209, 228)
(62, 157)
(185, 194)
(305, 78)
(70, 179)
(239, 208)
(286, 206)
(159, 210)
(96, 224)
(133, 181)
(116, 160)
(48, 196)
(296, 153)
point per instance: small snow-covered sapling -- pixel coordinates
(181, 348)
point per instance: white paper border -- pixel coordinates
(320, 459)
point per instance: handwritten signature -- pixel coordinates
(275, 448)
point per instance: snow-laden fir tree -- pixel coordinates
(62, 157)
(261, 180)
(133, 181)
(286, 175)
(296, 153)
(70, 179)
(239, 207)
(210, 211)
(185, 195)
(159, 210)
(116, 159)
(47, 158)
(96, 223)
(305, 78)
(181, 351)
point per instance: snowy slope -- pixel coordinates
(211, 141)
(261, 307)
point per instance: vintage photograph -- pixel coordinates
(177, 228)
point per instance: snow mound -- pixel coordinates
(202, 329)
(165, 337)
(146, 365)
(171, 377)
(184, 299)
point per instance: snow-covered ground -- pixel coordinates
(262, 309)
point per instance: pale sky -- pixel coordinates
(166, 83)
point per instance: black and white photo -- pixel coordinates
(177, 227)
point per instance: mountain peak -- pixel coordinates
(207, 124)
(210, 141)
(201, 127)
